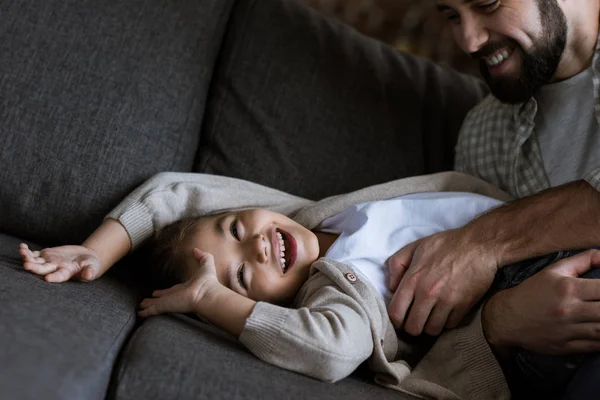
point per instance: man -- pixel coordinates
(538, 138)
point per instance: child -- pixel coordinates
(238, 268)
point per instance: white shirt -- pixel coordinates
(372, 232)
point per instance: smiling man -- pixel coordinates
(536, 136)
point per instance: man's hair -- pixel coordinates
(168, 256)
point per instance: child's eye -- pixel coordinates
(233, 229)
(453, 18)
(240, 276)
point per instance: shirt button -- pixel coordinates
(351, 277)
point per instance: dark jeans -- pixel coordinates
(535, 375)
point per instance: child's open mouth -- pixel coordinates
(287, 249)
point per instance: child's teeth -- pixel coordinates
(282, 261)
(282, 254)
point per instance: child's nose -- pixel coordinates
(261, 248)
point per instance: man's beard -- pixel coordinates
(538, 66)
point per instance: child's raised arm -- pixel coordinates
(105, 246)
(327, 338)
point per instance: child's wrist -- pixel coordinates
(209, 296)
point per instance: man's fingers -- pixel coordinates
(578, 264)
(418, 315)
(398, 264)
(583, 346)
(456, 316)
(437, 320)
(401, 302)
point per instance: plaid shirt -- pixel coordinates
(497, 144)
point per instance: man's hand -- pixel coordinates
(184, 297)
(437, 280)
(553, 312)
(59, 264)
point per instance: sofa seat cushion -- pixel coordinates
(177, 357)
(58, 341)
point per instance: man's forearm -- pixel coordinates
(566, 217)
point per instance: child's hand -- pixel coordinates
(184, 297)
(59, 264)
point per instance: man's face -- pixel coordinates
(518, 43)
(260, 254)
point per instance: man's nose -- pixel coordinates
(472, 34)
(260, 248)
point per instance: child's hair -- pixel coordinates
(168, 257)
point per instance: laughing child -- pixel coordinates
(306, 293)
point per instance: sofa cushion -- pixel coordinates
(176, 357)
(95, 98)
(58, 341)
(312, 107)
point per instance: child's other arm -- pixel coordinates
(327, 339)
(100, 251)
(168, 197)
(204, 295)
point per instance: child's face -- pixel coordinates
(247, 250)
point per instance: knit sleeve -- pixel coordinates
(170, 196)
(327, 338)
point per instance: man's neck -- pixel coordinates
(581, 45)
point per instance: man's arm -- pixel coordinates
(430, 276)
(562, 218)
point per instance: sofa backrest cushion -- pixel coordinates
(313, 108)
(96, 97)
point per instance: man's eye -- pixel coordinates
(233, 229)
(240, 276)
(488, 5)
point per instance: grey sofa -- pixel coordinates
(96, 96)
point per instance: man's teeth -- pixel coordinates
(282, 252)
(497, 59)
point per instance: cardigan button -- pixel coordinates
(351, 277)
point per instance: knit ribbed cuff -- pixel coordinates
(137, 221)
(486, 377)
(263, 327)
(593, 178)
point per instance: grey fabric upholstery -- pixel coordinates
(96, 97)
(58, 342)
(176, 357)
(313, 108)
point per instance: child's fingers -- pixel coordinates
(88, 273)
(40, 269)
(60, 275)
(162, 292)
(148, 312)
(89, 270)
(26, 255)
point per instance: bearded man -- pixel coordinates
(536, 136)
